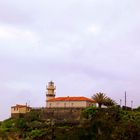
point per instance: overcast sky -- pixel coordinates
(84, 46)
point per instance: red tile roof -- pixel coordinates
(19, 106)
(72, 99)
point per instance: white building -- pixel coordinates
(65, 102)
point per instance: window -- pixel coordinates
(71, 104)
(50, 104)
(64, 104)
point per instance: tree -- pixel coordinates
(109, 102)
(100, 98)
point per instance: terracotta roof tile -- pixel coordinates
(19, 106)
(72, 99)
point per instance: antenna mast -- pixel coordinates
(125, 98)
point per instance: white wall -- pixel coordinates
(68, 104)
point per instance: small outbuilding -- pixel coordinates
(19, 110)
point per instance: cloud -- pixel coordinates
(12, 33)
(95, 29)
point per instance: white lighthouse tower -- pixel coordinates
(50, 88)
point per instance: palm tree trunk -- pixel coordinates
(100, 105)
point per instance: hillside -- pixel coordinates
(94, 124)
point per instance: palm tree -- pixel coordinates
(109, 102)
(100, 98)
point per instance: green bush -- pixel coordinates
(36, 133)
(89, 112)
(7, 125)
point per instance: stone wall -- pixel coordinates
(60, 113)
(17, 115)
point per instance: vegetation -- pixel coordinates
(102, 99)
(109, 102)
(111, 123)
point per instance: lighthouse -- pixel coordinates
(50, 88)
